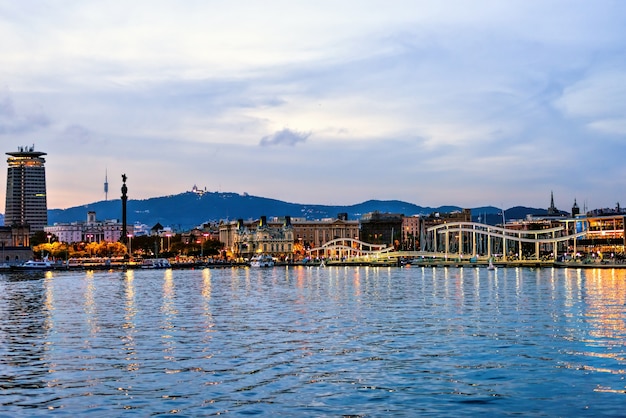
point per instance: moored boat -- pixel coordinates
(156, 263)
(262, 260)
(32, 265)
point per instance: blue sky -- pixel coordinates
(466, 103)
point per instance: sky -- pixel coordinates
(466, 103)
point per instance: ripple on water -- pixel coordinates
(314, 342)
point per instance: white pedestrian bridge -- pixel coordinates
(462, 239)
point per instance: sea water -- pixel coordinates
(298, 341)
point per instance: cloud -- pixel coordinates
(598, 99)
(284, 137)
(14, 122)
(76, 134)
(610, 126)
(430, 103)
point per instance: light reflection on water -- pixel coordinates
(314, 341)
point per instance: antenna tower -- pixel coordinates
(106, 186)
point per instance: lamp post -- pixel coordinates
(130, 245)
(89, 237)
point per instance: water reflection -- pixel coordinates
(169, 311)
(24, 328)
(366, 341)
(90, 304)
(129, 326)
(209, 321)
(605, 301)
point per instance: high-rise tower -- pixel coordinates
(26, 203)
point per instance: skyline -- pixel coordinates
(459, 103)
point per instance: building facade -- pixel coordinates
(381, 228)
(606, 233)
(90, 231)
(285, 235)
(26, 201)
(412, 233)
(259, 237)
(313, 234)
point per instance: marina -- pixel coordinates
(314, 341)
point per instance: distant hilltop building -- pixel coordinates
(26, 203)
(195, 189)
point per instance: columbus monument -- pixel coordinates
(124, 237)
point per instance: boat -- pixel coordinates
(263, 260)
(33, 265)
(491, 266)
(156, 263)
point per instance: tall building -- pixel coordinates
(26, 203)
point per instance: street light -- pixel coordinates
(130, 244)
(202, 245)
(89, 237)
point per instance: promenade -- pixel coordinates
(390, 260)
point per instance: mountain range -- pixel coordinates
(187, 210)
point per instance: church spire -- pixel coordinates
(552, 210)
(575, 209)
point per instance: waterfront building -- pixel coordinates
(10, 252)
(440, 218)
(381, 228)
(243, 238)
(227, 231)
(26, 202)
(310, 234)
(411, 233)
(605, 233)
(260, 237)
(604, 230)
(200, 234)
(139, 229)
(536, 224)
(90, 231)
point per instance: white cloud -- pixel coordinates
(610, 126)
(18, 121)
(597, 95)
(446, 101)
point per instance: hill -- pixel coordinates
(187, 210)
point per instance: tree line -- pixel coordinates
(145, 246)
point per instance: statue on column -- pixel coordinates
(124, 237)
